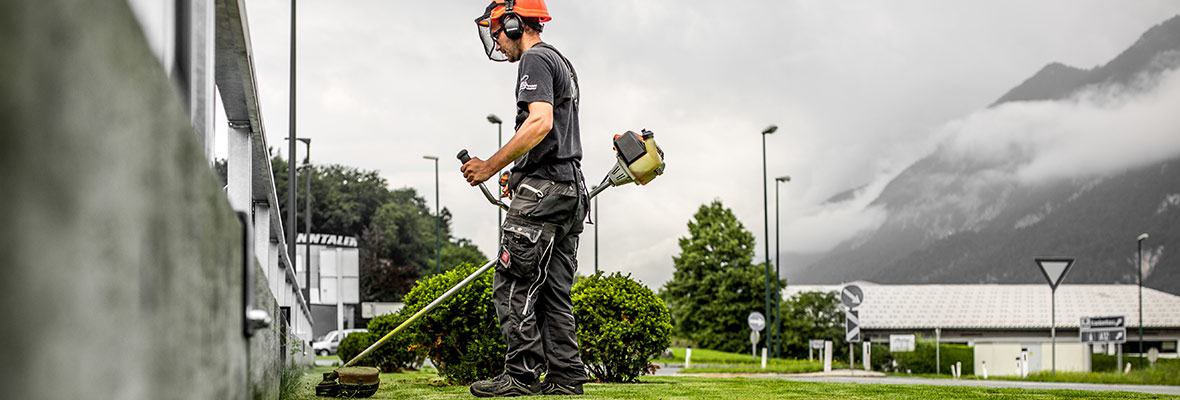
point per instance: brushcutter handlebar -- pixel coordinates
(464, 158)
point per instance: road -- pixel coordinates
(897, 380)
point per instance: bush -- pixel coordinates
(354, 344)
(462, 336)
(622, 326)
(921, 360)
(404, 349)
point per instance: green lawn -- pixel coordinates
(425, 385)
(1149, 377)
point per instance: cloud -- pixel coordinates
(1099, 131)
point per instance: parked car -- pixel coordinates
(327, 344)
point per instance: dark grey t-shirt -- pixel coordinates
(544, 76)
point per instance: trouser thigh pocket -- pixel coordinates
(523, 248)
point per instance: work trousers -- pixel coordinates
(534, 273)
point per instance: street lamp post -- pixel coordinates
(437, 217)
(778, 335)
(307, 220)
(291, 149)
(1139, 267)
(595, 233)
(766, 219)
(307, 217)
(499, 143)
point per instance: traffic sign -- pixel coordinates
(1054, 269)
(1108, 336)
(852, 296)
(851, 326)
(757, 321)
(816, 344)
(1095, 323)
(1103, 329)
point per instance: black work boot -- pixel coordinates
(554, 388)
(503, 386)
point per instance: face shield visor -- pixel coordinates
(487, 35)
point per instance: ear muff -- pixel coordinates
(513, 26)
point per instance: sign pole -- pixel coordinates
(1054, 269)
(1053, 327)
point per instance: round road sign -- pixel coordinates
(756, 321)
(852, 296)
(1153, 354)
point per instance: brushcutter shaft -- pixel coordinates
(422, 312)
(463, 158)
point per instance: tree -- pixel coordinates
(461, 251)
(343, 198)
(715, 285)
(812, 315)
(380, 279)
(395, 228)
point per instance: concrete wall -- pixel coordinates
(1001, 357)
(120, 254)
(1069, 355)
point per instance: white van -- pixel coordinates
(327, 344)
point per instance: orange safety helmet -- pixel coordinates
(524, 8)
(510, 13)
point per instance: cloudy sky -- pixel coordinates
(859, 90)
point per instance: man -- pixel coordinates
(537, 256)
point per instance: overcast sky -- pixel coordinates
(859, 90)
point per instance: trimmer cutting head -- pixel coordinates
(350, 382)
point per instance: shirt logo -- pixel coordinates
(524, 84)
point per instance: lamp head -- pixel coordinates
(430, 158)
(494, 119)
(770, 129)
(1142, 237)
(783, 179)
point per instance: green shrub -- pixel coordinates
(622, 326)
(921, 360)
(462, 336)
(354, 344)
(401, 350)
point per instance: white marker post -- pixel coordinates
(866, 353)
(828, 356)
(688, 358)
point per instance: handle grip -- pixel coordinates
(464, 158)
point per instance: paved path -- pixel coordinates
(898, 380)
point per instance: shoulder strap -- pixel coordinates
(570, 67)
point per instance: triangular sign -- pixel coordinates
(1055, 269)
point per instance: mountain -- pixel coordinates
(954, 219)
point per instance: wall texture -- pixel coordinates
(119, 253)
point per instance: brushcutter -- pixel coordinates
(638, 160)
